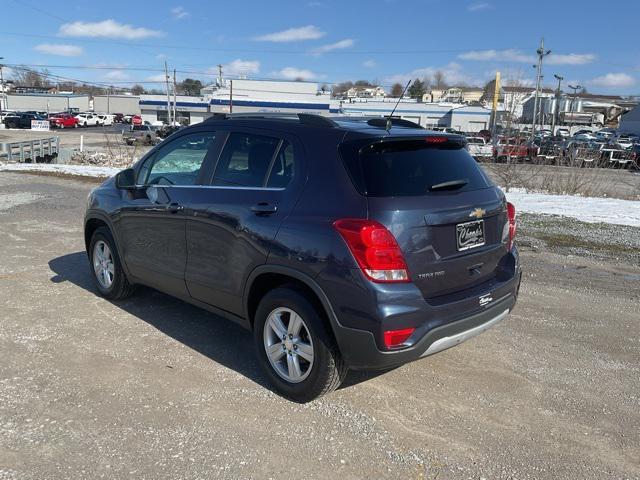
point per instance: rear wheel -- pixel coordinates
(295, 347)
(107, 269)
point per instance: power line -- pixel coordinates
(256, 50)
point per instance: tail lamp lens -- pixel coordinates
(374, 248)
(511, 217)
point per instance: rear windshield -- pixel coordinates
(411, 168)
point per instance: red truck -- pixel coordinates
(515, 148)
(63, 120)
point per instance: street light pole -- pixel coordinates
(556, 106)
(1, 86)
(573, 99)
(541, 54)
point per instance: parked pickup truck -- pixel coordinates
(479, 148)
(21, 120)
(145, 134)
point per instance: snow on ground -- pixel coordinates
(78, 170)
(585, 209)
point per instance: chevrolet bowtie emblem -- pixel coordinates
(478, 213)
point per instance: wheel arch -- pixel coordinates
(268, 277)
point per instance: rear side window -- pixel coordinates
(245, 160)
(411, 168)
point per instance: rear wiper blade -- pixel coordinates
(450, 185)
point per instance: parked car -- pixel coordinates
(515, 148)
(563, 132)
(87, 119)
(105, 119)
(486, 134)
(412, 252)
(479, 148)
(624, 140)
(63, 120)
(136, 120)
(21, 120)
(145, 134)
(118, 118)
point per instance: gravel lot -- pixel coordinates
(154, 388)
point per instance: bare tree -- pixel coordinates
(439, 80)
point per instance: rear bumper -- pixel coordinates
(360, 350)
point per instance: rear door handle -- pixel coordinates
(174, 208)
(264, 208)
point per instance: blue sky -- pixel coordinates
(593, 43)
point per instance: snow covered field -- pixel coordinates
(585, 209)
(77, 170)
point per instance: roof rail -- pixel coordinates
(304, 118)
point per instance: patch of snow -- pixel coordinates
(79, 170)
(585, 209)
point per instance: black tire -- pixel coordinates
(328, 370)
(120, 288)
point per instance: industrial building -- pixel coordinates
(464, 118)
(44, 102)
(630, 121)
(125, 104)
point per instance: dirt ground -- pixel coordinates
(154, 388)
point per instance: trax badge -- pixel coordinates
(478, 213)
(485, 299)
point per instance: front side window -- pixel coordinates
(245, 160)
(179, 162)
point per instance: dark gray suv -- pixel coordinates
(360, 243)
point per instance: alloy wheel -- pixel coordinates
(288, 345)
(103, 265)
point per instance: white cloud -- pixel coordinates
(517, 56)
(509, 55)
(478, 6)
(156, 78)
(570, 59)
(346, 43)
(369, 64)
(293, 73)
(453, 74)
(106, 29)
(116, 75)
(241, 67)
(309, 32)
(59, 49)
(614, 80)
(179, 13)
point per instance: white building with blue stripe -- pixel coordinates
(243, 95)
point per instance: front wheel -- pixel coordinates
(107, 269)
(296, 347)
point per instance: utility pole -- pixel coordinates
(230, 96)
(494, 109)
(575, 95)
(174, 95)
(557, 105)
(166, 78)
(541, 54)
(1, 86)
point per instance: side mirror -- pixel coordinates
(126, 179)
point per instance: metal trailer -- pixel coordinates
(43, 150)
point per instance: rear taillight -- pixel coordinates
(397, 338)
(511, 217)
(374, 248)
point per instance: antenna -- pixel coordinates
(388, 127)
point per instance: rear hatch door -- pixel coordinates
(447, 216)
